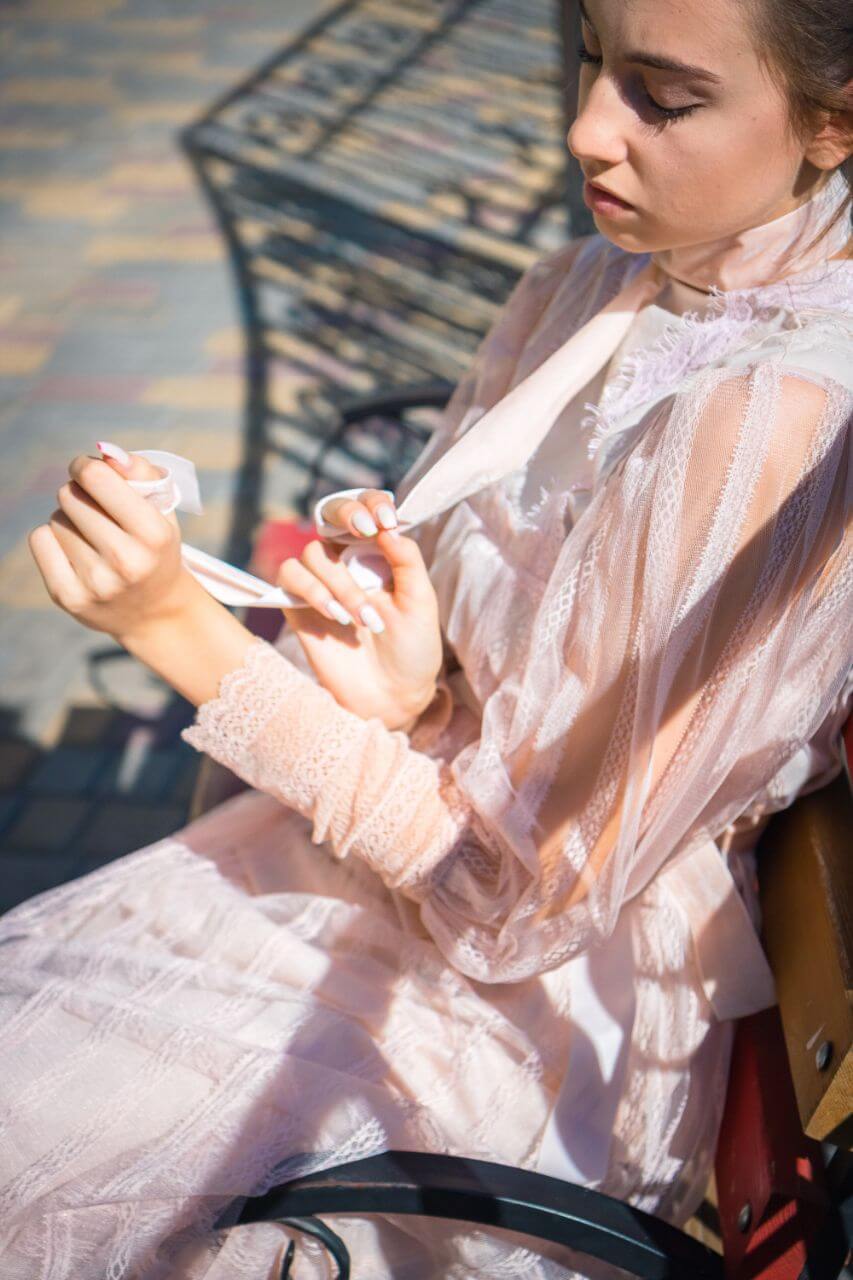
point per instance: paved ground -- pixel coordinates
(118, 317)
(117, 321)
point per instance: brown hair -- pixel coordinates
(806, 46)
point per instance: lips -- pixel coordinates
(604, 192)
(596, 197)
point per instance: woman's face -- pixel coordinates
(727, 163)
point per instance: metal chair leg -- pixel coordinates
(332, 1241)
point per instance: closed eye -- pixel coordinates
(666, 113)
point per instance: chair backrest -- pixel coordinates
(790, 1086)
(806, 882)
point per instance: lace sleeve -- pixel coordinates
(693, 633)
(364, 788)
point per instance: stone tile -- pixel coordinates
(10, 806)
(148, 775)
(47, 823)
(126, 250)
(16, 760)
(42, 657)
(61, 91)
(24, 873)
(68, 770)
(23, 357)
(119, 827)
(89, 726)
(207, 391)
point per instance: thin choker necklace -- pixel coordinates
(689, 285)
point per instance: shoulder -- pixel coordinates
(565, 265)
(563, 289)
(819, 345)
(533, 297)
(771, 418)
(792, 389)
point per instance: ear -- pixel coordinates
(832, 144)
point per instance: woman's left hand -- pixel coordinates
(389, 673)
(107, 555)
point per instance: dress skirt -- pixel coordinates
(230, 1007)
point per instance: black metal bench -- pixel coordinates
(380, 184)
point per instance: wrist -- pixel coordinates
(191, 646)
(185, 601)
(417, 707)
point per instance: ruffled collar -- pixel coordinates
(697, 338)
(729, 321)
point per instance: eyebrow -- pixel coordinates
(657, 59)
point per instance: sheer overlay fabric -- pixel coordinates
(489, 937)
(675, 650)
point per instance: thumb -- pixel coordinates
(129, 465)
(411, 580)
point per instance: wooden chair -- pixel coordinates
(783, 1170)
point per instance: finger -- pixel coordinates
(61, 582)
(355, 516)
(134, 467)
(130, 510)
(410, 577)
(340, 582)
(100, 531)
(380, 507)
(296, 579)
(95, 573)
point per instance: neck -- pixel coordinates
(764, 254)
(678, 297)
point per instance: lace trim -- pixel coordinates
(362, 786)
(698, 337)
(233, 718)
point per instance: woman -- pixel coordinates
(492, 890)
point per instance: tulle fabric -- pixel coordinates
(230, 1007)
(348, 959)
(652, 671)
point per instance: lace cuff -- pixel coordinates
(363, 786)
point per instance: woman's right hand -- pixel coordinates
(386, 661)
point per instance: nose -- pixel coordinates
(597, 136)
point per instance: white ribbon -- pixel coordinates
(178, 490)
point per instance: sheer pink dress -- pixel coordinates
(520, 933)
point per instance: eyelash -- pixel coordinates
(668, 113)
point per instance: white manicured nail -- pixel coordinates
(371, 618)
(114, 451)
(363, 523)
(338, 612)
(386, 517)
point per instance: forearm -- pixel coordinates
(364, 787)
(194, 649)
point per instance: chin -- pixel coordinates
(627, 240)
(633, 241)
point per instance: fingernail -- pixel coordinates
(338, 612)
(386, 517)
(363, 523)
(371, 618)
(114, 451)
